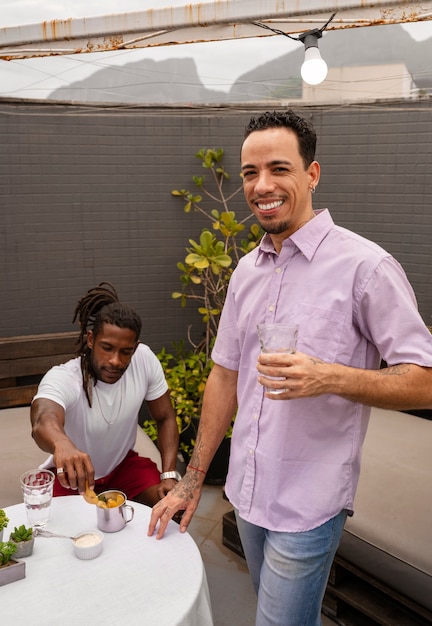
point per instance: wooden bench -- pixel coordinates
(25, 359)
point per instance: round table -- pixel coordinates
(136, 580)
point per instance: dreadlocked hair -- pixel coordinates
(100, 305)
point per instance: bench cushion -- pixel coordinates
(390, 534)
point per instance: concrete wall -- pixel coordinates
(85, 197)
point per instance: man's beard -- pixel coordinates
(97, 371)
(276, 228)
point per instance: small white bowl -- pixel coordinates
(88, 544)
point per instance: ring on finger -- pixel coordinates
(60, 470)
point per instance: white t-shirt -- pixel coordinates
(107, 430)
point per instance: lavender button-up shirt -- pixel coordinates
(295, 463)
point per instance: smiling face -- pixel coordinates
(276, 184)
(111, 351)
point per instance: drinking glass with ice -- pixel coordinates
(37, 488)
(275, 338)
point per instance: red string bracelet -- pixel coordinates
(197, 469)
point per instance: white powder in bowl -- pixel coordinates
(90, 539)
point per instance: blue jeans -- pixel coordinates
(290, 570)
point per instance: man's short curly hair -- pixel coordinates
(304, 130)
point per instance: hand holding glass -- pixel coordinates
(276, 338)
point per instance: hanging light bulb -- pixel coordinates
(314, 68)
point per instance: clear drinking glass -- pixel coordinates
(37, 487)
(278, 337)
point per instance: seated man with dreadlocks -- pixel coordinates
(85, 412)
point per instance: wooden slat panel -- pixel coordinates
(17, 396)
(7, 382)
(30, 356)
(31, 366)
(372, 601)
(37, 345)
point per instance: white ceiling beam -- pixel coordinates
(199, 22)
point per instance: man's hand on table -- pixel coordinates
(185, 496)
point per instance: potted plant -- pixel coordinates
(209, 263)
(22, 537)
(10, 569)
(186, 372)
(4, 521)
(205, 274)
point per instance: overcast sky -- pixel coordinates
(37, 78)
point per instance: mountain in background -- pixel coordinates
(176, 81)
(144, 82)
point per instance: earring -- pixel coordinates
(313, 189)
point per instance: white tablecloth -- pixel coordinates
(136, 580)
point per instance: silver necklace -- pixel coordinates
(113, 419)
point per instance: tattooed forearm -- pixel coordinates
(186, 487)
(196, 456)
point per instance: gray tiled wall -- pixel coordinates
(85, 197)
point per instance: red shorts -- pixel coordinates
(132, 476)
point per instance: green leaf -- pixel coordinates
(198, 180)
(197, 261)
(206, 238)
(223, 260)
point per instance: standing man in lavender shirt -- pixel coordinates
(295, 456)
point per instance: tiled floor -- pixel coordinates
(232, 594)
(233, 597)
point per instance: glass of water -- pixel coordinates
(37, 487)
(277, 337)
